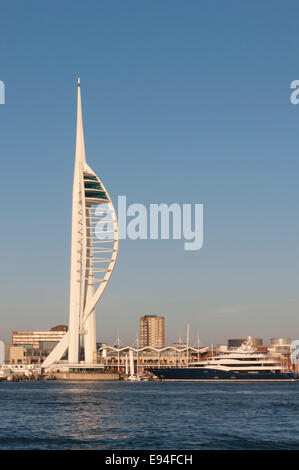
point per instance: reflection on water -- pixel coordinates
(120, 415)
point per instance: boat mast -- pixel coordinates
(188, 326)
(137, 344)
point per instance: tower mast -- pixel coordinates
(94, 248)
(77, 236)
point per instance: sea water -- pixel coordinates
(148, 415)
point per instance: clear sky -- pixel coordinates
(183, 101)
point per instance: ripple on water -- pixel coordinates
(119, 415)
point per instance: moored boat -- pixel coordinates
(242, 364)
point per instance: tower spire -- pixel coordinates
(92, 256)
(80, 147)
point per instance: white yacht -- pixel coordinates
(240, 364)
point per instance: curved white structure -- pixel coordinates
(94, 248)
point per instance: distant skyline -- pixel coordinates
(185, 102)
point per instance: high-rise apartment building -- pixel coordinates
(152, 332)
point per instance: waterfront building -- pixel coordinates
(6, 352)
(116, 358)
(32, 347)
(16, 355)
(152, 331)
(2, 352)
(94, 247)
(39, 339)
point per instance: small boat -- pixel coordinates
(133, 378)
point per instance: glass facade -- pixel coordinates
(89, 177)
(96, 195)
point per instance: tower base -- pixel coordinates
(82, 372)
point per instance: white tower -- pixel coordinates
(94, 248)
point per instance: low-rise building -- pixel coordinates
(32, 347)
(118, 358)
(39, 339)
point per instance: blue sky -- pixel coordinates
(183, 101)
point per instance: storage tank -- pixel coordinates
(280, 341)
(257, 341)
(281, 345)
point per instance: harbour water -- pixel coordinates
(150, 415)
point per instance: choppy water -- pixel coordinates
(120, 415)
